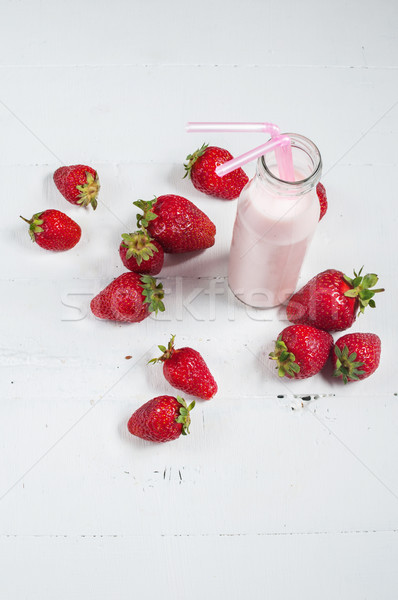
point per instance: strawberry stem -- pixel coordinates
(166, 352)
(192, 158)
(34, 225)
(89, 191)
(184, 417)
(153, 293)
(139, 244)
(347, 365)
(360, 289)
(285, 360)
(146, 207)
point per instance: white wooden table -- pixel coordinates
(271, 496)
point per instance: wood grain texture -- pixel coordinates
(282, 488)
(156, 32)
(266, 562)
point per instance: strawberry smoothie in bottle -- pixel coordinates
(274, 225)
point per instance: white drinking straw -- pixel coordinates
(282, 147)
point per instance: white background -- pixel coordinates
(270, 496)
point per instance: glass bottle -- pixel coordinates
(274, 226)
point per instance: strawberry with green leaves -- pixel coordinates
(301, 351)
(331, 300)
(79, 184)
(176, 223)
(130, 298)
(201, 168)
(186, 370)
(161, 419)
(356, 356)
(140, 253)
(53, 230)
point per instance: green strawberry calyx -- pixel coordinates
(285, 360)
(88, 191)
(360, 289)
(146, 207)
(139, 244)
(184, 417)
(153, 293)
(192, 158)
(166, 352)
(347, 366)
(35, 224)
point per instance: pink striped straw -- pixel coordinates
(279, 141)
(281, 144)
(238, 127)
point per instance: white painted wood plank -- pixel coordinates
(138, 114)
(346, 566)
(156, 32)
(250, 465)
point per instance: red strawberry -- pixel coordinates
(53, 230)
(301, 351)
(140, 253)
(185, 369)
(356, 356)
(323, 202)
(331, 300)
(201, 168)
(162, 419)
(130, 297)
(176, 223)
(79, 184)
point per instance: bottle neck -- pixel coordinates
(307, 163)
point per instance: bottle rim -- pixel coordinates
(305, 145)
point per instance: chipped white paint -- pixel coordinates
(282, 488)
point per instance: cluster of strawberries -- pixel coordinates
(54, 230)
(168, 224)
(165, 418)
(173, 224)
(330, 301)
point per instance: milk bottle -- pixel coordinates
(274, 226)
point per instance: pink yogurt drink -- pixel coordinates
(274, 226)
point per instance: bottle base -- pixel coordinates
(264, 304)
